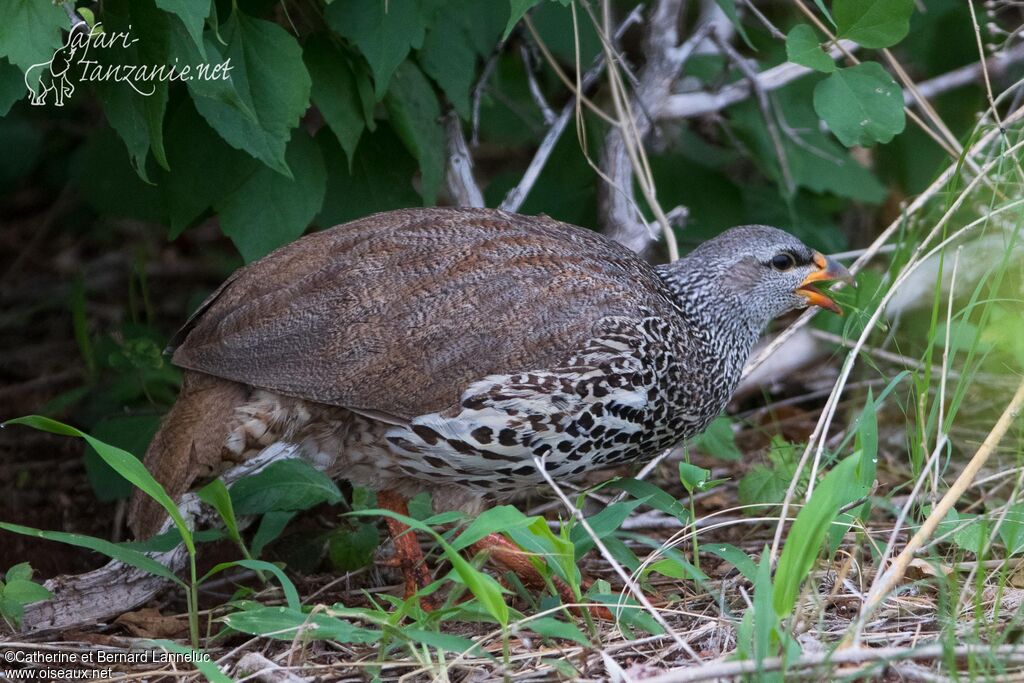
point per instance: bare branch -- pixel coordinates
(459, 176)
(517, 195)
(616, 206)
(688, 105)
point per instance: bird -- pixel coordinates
(458, 351)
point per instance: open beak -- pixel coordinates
(828, 270)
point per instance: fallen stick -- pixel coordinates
(93, 597)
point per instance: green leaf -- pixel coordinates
(873, 23)
(498, 519)
(763, 486)
(127, 465)
(291, 484)
(25, 592)
(861, 104)
(269, 210)
(271, 526)
(1011, 531)
(136, 109)
(765, 620)
(970, 533)
(693, 478)
(729, 8)
(351, 549)
(445, 642)
(549, 627)
(448, 57)
(335, 92)
(653, 496)
(22, 570)
(803, 47)
(193, 15)
(486, 590)
(416, 116)
(111, 550)
(383, 31)
(733, 556)
(839, 487)
(603, 524)
(30, 32)
(271, 81)
(517, 8)
(12, 86)
(204, 169)
(719, 441)
(380, 177)
(215, 494)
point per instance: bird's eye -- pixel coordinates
(783, 261)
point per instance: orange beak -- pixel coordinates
(828, 270)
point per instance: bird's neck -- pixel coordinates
(718, 335)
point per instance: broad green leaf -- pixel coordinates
(111, 550)
(448, 57)
(803, 47)
(498, 519)
(335, 92)
(969, 532)
(135, 109)
(718, 440)
(12, 86)
(204, 665)
(733, 556)
(873, 23)
(1011, 531)
(693, 478)
(193, 15)
(604, 523)
(729, 8)
(215, 494)
(204, 169)
(816, 161)
(383, 31)
(272, 82)
(653, 496)
(416, 117)
(126, 464)
(25, 592)
(22, 570)
(286, 485)
(628, 612)
(764, 485)
(517, 8)
(839, 487)
(861, 104)
(30, 32)
(268, 209)
(556, 551)
(380, 177)
(549, 627)
(271, 526)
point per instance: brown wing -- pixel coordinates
(399, 312)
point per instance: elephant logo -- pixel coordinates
(54, 77)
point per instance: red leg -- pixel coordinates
(513, 558)
(407, 548)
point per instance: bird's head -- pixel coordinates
(754, 273)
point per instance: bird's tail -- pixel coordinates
(187, 446)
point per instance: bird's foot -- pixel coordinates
(408, 554)
(513, 558)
